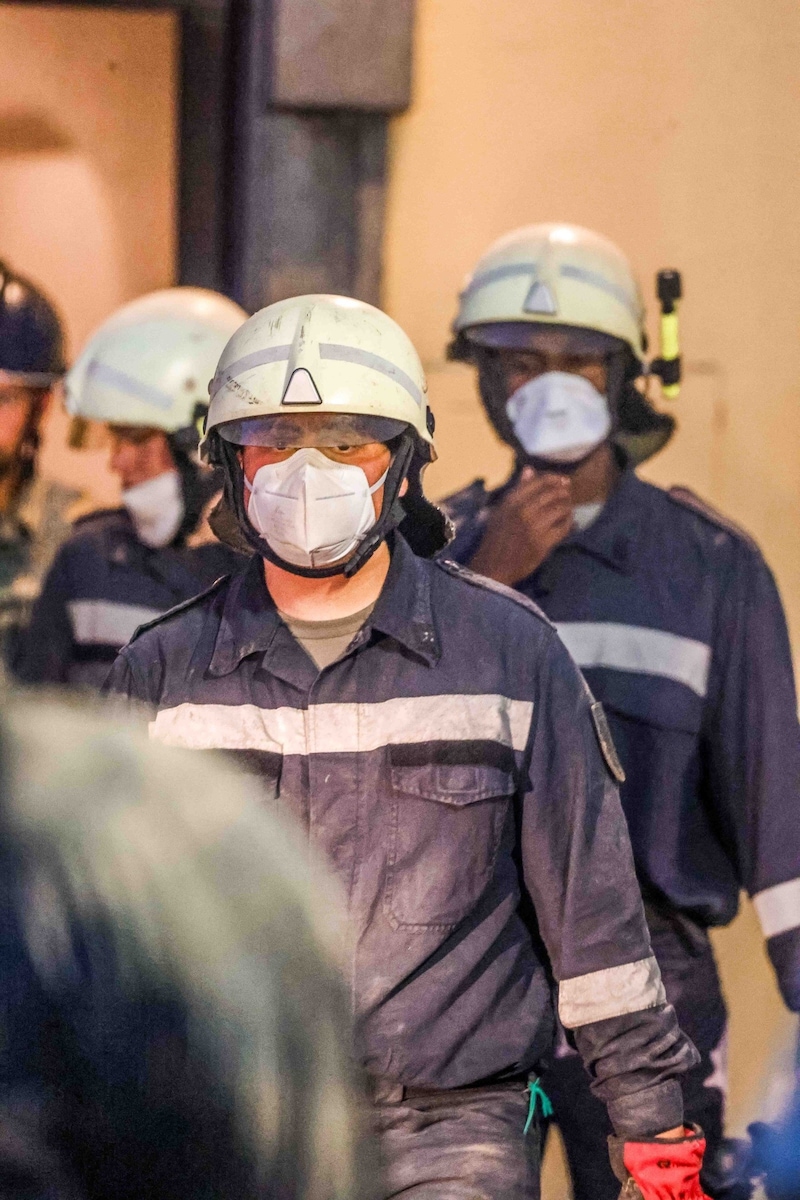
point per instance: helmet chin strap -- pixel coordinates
(391, 514)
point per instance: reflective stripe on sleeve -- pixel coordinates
(105, 622)
(346, 728)
(778, 907)
(610, 993)
(634, 648)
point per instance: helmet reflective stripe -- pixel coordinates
(261, 358)
(482, 279)
(103, 374)
(555, 274)
(595, 280)
(343, 356)
(149, 364)
(331, 352)
(364, 358)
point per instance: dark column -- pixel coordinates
(316, 81)
(204, 154)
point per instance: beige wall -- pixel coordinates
(87, 170)
(674, 128)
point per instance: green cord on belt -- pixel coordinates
(537, 1093)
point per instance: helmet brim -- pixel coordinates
(310, 429)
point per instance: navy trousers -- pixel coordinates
(458, 1145)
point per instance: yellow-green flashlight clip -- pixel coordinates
(668, 366)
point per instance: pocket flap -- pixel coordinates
(450, 783)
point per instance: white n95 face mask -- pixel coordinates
(311, 510)
(559, 417)
(156, 508)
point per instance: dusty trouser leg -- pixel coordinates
(459, 1145)
(692, 985)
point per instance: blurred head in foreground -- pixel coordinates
(174, 1021)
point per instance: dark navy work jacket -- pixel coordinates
(449, 766)
(675, 620)
(103, 584)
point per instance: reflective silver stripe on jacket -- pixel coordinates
(106, 622)
(778, 907)
(346, 728)
(610, 993)
(634, 648)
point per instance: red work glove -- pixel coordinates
(660, 1168)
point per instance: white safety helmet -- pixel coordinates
(561, 275)
(336, 357)
(326, 354)
(553, 275)
(150, 363)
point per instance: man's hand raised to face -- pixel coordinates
(522, 528)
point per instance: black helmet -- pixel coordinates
(31, 337)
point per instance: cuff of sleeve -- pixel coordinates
(646, 1113)
(784, 953)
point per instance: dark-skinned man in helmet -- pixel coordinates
(672, 614)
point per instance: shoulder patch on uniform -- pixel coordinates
(182, 607)
(607, 747)
(688, 499)
(491, 585)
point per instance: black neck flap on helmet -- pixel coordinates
(422, 524)
(199, 484)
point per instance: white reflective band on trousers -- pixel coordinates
(106, 622)
(778, 907)
(635, 648)
(346, 728)
(612, 992)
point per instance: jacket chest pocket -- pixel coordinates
(444, 831)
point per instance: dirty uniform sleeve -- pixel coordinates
(47, 645)
(578, 870)
(752, 742)
(129, 692)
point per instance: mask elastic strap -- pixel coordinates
(380, 482)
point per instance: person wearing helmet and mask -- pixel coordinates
(144, 374)
(675, 620)
(433, 738)
(33, 513)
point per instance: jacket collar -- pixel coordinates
(404, 610)
(613, 536)
(250, 622)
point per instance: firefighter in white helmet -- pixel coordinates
(424, 728)
(671, 613)
(144, 376)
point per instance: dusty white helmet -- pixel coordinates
(343, 360)
(326, 354)
(555, 275)
(150, 363)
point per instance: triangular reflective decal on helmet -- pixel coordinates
(540, 300)
(301, 389)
